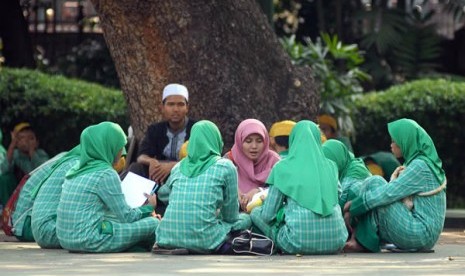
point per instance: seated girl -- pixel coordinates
(21, 214)
(46, 197)
(380, 212)
(92, 214)
(202, 192)
(253, 158)
(352, 171)
(301, 213)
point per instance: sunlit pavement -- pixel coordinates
(17, 258)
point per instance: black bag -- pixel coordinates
(251, 243)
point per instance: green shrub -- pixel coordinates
(58, 108)
(437, 105)
(336, 67)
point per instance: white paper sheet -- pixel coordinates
(134, 186)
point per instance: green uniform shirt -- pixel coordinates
(88, 200)
(303, 231)
(25, 163)
(44, 211)
(202, 210)
(25, 201)
(418, 228)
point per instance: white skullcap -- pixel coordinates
(175, 89)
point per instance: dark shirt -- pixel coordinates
(156, 139)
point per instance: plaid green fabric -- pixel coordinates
(90, 199)
(202, 210)
(303, 231)
(25, 201)
(44, 211)
(3, 162)
(23, 161)
(349, 184)
(416, 229)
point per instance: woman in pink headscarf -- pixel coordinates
(252, 157)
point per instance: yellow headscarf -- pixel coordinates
(282, 128)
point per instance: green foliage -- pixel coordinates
(401, 46)
(336, 67)
(384, 28)
(437, 105)
(90, 61)
(57, 107)
(419, 50)
(455, 8)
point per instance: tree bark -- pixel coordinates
(225, 52)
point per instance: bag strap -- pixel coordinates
(435, 191)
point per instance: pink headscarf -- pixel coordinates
(252, 175)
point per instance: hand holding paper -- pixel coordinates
(134, 187)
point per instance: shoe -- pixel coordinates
(165, 251)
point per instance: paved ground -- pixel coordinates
(18, 258)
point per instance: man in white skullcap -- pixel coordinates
(159, 150)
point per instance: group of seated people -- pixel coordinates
(316, 197)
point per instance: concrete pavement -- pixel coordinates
(18, 258)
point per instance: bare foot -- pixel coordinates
(352, 246)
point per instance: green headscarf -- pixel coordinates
(414, 143)
(347, 164)
(99, 146)
(204, 148)
(75, 152)
(306, 175)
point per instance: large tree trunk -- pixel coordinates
(225, 52)
(17, 45)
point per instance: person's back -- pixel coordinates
(92, 215)
(190, 221)
(202, 193)
(44, 211)
(21, 216)
(301, 213)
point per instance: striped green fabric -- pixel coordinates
(88, 200)
(303, 231)
(44, 211)
(418, 228)
(191, 219)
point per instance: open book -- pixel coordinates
(134, 186)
